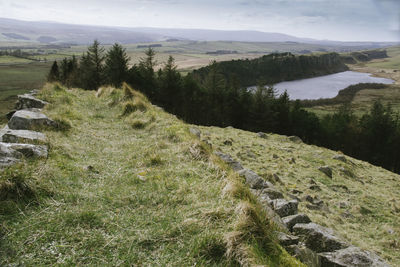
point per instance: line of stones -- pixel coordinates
(18, 139)
(311, 243)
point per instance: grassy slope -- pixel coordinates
(152, 196)
(372, 195)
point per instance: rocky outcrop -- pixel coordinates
(313, 244)
(23, 136)
(253, 179)
(351, 257)
(235, 165)
(28, 150)
(29, 119)
(318, 238)
(326, 170)
(285, 208)
(195, 132)
(292, 220)
(17, 140)
(27, 101)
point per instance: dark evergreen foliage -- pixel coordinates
(116, 65)
(216, 95)
(54, 74)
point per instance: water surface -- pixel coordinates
(326, 86)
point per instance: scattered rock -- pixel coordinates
(326, 170)
(340, 158)
(340, 188)
(313, 207)
(8, 152)
(295, 139)
(23, 136)
(287, 240)
(228, 142)
(315, 187)
(292, 220)
(262, 135)
(254, 180)
(27, 101)
(28, 150)
(5, 162)
(318, 238)
(309, 198)
(347, 215)
(29, 120)
(272, 193)
(195, 132)
(8, 156)
(351, 257)
(235, 165)
(285, 208)
(295, 191)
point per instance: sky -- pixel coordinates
(341, 20)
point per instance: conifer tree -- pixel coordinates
(116, 66)
(91, 69)
(54, 74)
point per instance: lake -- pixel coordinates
(326, 86)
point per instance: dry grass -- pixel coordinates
(360, 207)
(123, 195)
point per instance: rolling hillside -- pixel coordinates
(126, 183)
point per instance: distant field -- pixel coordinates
(18, 75)
(393, 62)
(18, 79)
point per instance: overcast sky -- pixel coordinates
(345, 20)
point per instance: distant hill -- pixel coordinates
(32, 31)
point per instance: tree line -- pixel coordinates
(215, 98)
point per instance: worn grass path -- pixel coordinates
(135, 190)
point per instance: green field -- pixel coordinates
(17, 79)
(364, 99)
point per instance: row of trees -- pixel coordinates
(215, 99)
(94, 68)
(276, 67)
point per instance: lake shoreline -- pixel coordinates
(326, 86)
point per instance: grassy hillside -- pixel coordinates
(361, 202)
(128, 185)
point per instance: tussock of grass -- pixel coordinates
(14, 184)
(138, 124)
(133, 106)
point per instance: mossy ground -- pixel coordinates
(363, 201)
(115, 194)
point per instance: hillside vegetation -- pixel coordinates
(274, 68)
(127, 184)
(360, 202)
